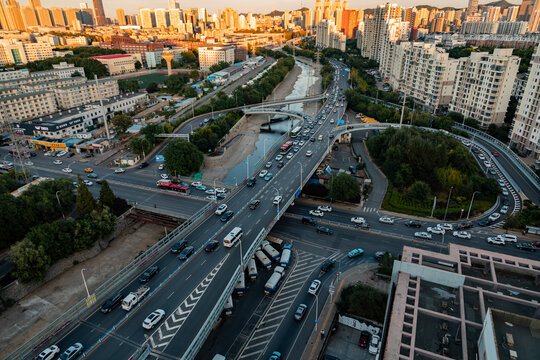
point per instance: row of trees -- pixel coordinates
(529, 215)
(219, 66)
(183, 158)
(344, 187)
(363, 301)
(46, 243)
(207, 139)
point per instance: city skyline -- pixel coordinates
(131, 7)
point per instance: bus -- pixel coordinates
(15, 152)
(296, 131)
(167, 185)
(232, 237)
(5, 168)
(285, 148)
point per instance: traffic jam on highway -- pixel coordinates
(182, 283)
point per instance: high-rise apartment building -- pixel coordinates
(484, 85)
(375, 28)
(173, 4)
(162, 18)
(329, 37)
(99, 13)
(512, 13)
(525, 136)
(58, 16)
(145, 17)
(472, 8)
(121, 17)
(29, 16)
(209, 56)
(13, 15)
(44, 17)
(175, 18)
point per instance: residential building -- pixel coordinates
(484, 85)
(121, 17)
(14, 52)
(329, 37)
(525, 136)
(77, 41)
(27, 105)
(495, 27)
(209, 56)
(375, 28)
(62, 70)
(6, 75)
(153, 58)
(99, 13)
(119, 63)
(468, 304)
(75, 95)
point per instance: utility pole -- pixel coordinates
(102, 109)
(403, 109)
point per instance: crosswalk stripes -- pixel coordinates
(369, 210)
(270, 322)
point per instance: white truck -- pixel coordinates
(272, 283)
(285, 255)
(273, 253)
(252, 269)
(134, 297)
(228, 307)
(265, 261)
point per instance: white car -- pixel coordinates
(88, 182)
(494, 217)
(435, 230)
(501, 183)
(316, 213)
(504, 209)
(28, 163)
(332, 121)
(446, 226)
(277, 200)
(422, 235)
(221, 190)
(268, 165)
(211, 192)
(279, 157)
(67, 170)
(49, 353)
(119, 171)
(152, 319)
(309, 153)
(462, 234)
(386, 220)
(61, 153)
(164, 176)
(161, 166)
(290, 155)
(358, 220)
(221, 209)
(196, 183)
(301, 143)
(314, 287)
(263, 173)
(487, 164)
(324, 208)
(495, 240)
(481, 156)
(211, 197)
(374, 345)
(504, 192)
(57, 162)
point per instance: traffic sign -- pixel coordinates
(160, 158)
(332, 289)
(91, 300)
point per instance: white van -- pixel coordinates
(232, 237)
(508, 238)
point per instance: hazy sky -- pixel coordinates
(264, 6)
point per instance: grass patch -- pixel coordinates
(363, 301)
(144, 80)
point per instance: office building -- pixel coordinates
(99, 13)
(29, 17)
(484, 85)
(146, 17)
(121, 17)
(13, 52)
(525, 136)
(71, 96)
(119, 63)
(209, 56)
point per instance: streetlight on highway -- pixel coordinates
(470, 206)
(57, 198)
(84, 281)
(247, 167)
(448, 202)
(316, 311)
(301, 170)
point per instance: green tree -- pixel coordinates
(419, 190)
(85, 201)
(189, 92)
(138, 65)
(121, 122)
(76, 74)
(128, 85)
(29, 260)
(152, 87)
(182, 158)
(194, 74)
(175, 82)
(106, 196)
(344, 187)
(140, 145)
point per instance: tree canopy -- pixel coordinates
(182, 158)
(121, 122)
(344, 187)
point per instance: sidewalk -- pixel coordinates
(352, 276)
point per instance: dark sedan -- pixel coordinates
(254, 204)
(111, 303)
(148, 274)
(324, 230)
(413, 223)
(211, 246)
(186, 253)
(227, 216)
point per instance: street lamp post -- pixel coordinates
(301, 170)
(316, 311)
(57, 198)
(264, 149)
(84, 281)
(247, 168)
(470, 206)
(448, 201)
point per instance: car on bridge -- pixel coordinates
(276, 355)
(495, 240)
(279, 157)
(324, 230)
(211, 246)
(148, 274)
(324, 208)
(221, 209)
(268, 165)
(494, 217)
(179, 246)
(251, 182)
(355, 253)
(186, 253)
(462, 234)
(504, 209)
(254, 204)
(358, 220)
(112, 302)
(268, 177)
(49, 353)
(299, 313)
(386, 220)
(263, 173)
(422, 235)
(227, 216)
(277, 200)
(504, 191)
(314, 287)
(526, 246)
(318, 213)
(152, 319)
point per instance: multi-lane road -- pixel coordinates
(188, 290)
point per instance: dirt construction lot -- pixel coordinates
(35, 311)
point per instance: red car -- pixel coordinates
(363, 342)
(494, 153)
(536, 243)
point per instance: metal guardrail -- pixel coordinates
(506, 150)
(72, 316)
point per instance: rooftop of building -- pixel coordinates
(515, 333)
(23, 95)
(441, 300)
(113, 56)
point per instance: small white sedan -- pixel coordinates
(277, 200)
(28, 163)
(196, 184)
(88, 182)
(221, 209)
(435, 230)
(309, 153)
(290, 155)
(422, 235)
(57, 162)
(494, 217)
(152, 319)
(358, 220)
(67, 170)
(119, 171)
(279, 157)
(314, 287)
(504, 209)
(386, 220)
(263, 173)
(316, 213)
(161, 166)
(462, 234)
(324, 208)
(164, 176)
(211, 192)
(487, 164)
(446, 226)
(49, 353)
(221, 190)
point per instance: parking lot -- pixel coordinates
(343, 344)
